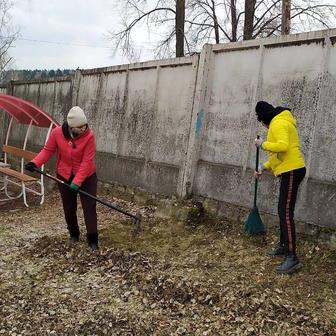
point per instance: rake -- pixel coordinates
(253, 224)
(136, 218)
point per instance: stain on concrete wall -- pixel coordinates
(228, 114)
(323, 165)
(136, 127)
(62, 100)
(87, 97)
(294, 82)
(112, 111)
(173, 114)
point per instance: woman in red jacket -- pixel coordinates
(74, 145)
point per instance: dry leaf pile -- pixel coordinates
(172, 279)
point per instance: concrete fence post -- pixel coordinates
(75, 86)
(200, 102)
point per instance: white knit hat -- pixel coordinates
(76, 117)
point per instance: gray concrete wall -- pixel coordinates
(141, 115)
(187, 125)
(297, 71)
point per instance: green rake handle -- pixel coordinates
(256, 180)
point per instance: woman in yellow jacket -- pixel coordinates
(286, 161)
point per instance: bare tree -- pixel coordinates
(8, 35)
(234, 19)
(179, 27)
(304, 15)
(204, 20)
(155, 14)
(216, 21)
(286, 14)
(250, 7)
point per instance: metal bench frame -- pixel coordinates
(26, 113)
(24, 180)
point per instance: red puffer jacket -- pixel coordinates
(74, 156)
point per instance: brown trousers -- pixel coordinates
(69, 199)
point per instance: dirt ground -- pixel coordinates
(207, 278)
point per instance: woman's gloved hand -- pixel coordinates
(74, 186)
(30, 166)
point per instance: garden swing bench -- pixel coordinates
(22, 112)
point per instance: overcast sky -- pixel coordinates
(73, 22)
(68, 34)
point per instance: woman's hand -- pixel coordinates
(30, 166)
(259, 172)
(258, 142)
(74, 186)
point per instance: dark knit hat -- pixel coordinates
(265, 112)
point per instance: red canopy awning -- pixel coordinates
(24, 111)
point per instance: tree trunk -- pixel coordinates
(234, 22)
(286, 15)
(179, 27)
(215, 20)
(249, 19)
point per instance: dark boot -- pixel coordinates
(92, 239)
(74, 239)
(74, 234)
(289, 265)
(278, 251)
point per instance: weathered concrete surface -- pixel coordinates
(111, 111)
(186, 126)
(296, 71)
(136, 172)
(141, 116)
(230, 104)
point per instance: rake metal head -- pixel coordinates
(137, 224)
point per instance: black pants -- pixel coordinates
(290, 183)
(69, 199)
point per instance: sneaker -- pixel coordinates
(278, 251)
(289, 265)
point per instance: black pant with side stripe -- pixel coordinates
(290, 182)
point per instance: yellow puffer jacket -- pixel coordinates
(283, 145)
